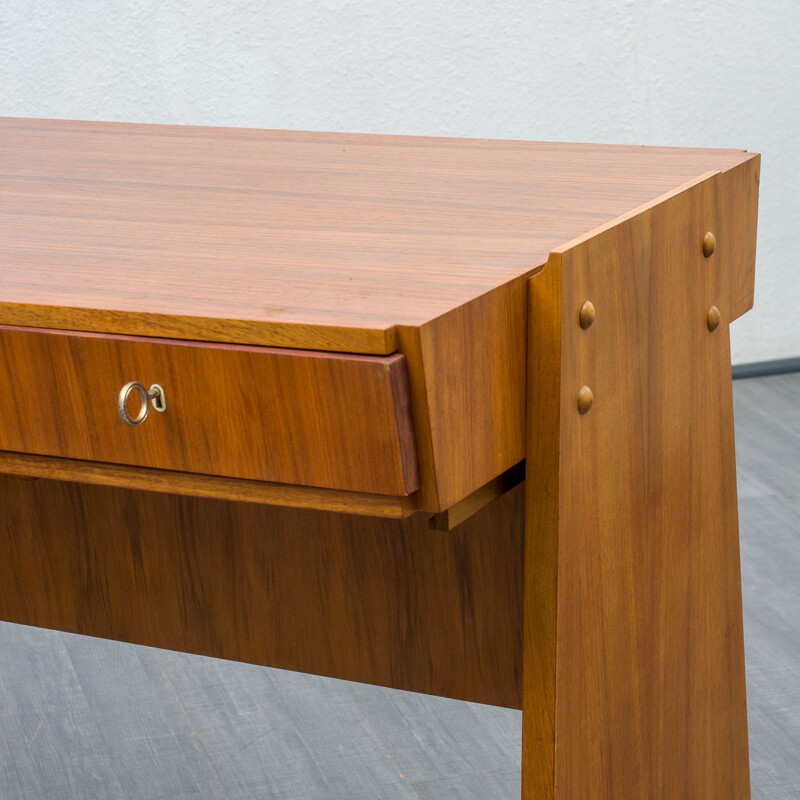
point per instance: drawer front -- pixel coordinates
(286, 416)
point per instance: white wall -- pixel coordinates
(722, 73)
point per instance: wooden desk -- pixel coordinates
(446, 415)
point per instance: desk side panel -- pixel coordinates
(737, 224)
(633, 651)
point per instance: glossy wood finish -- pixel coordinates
(468, 396)
(295, 417)
(318, 240)
(472, 261)
(340, 242)
(212, 486)
(633, 655)
(467, 367)
(379, 601)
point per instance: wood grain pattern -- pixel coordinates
(460, 512)
(337, 242)
(736, 221)
(389, 602)
(542, 533)
(212, 486)
(310, 240)
(633, 655)
(295, 417)
(468, 366)
(468, 391)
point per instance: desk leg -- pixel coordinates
(633, 666)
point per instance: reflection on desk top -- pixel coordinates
(325, 241)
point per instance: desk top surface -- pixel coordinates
(315, 240)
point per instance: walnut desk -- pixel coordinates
(452, 416)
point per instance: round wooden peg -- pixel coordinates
(709, 244)
(587, 314)
(585, 399)
(714, 318)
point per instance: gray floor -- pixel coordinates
(83, 718)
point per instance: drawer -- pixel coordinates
(288, 416)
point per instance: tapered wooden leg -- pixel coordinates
(633, 665)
